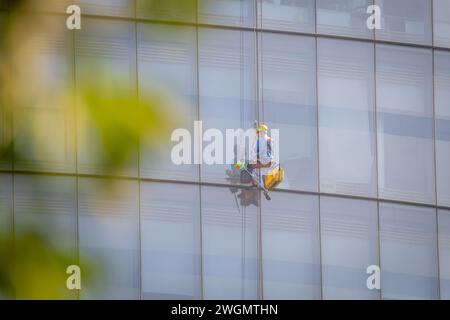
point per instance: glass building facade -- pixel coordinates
(364, 119)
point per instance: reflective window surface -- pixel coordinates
(291, 250)
(405, 21)
(167, 57)
(227, 83)
(6, 203)
(364, 141)
(115, 8)
(47, 204)
(408, 252)
(227, 12)
(441, 18)
(349, 245)
(346, 117)
(442, 121)
(108, 44)
(405, 125)
(291, 15)
(343, 17)
(36, 113)
(108, 228)
(167, 10)
(170, 237)
(229, 243)
(444, 252)
(289, 104)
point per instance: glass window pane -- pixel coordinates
(408, 252)
(43, 126)
(167, 58)
(349, 245)
(441, 23)
(170, 237)
(47, 205)
(108, 228)
(230, 245)
(106, 47)
(444, 253)
(289, 104)
(292, 15)
(59, 6)
(291, 253)
(169, 10)
(346, 117)
(227, 87)
(343, 18)
(5, 121)
(227, 12)
(442, 113)
(6, 203)
(115, 8)
(405, 125)
(405, 21)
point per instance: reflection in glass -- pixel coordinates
(349, 245)
(227, 12)
(343, 17)
(405, 21)
(170, 238)
(227, 84)
(230, 246)
(405, 125)
(289, 104)
(442, 121)
(291, 252)
(291, 15)
(346, 115)
(408, 252)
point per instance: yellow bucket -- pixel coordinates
(274, 178)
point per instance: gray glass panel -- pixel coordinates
(167, 59)
(408, 252)
(346, 117)
(227, 76)
(442, 114)
(444, 252)
(44, 121)
(108, 236)
(167, 10)
(291, 15)
(115, 8)
(441, 18)
(344, 18)
(170, 237)
(227, 12)
(405, 21)
(6, 205)
(291, 252)
(289, 104)
(349, 245)
(405, 124)
(106, 48)
(47, 205)
(229, 242)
